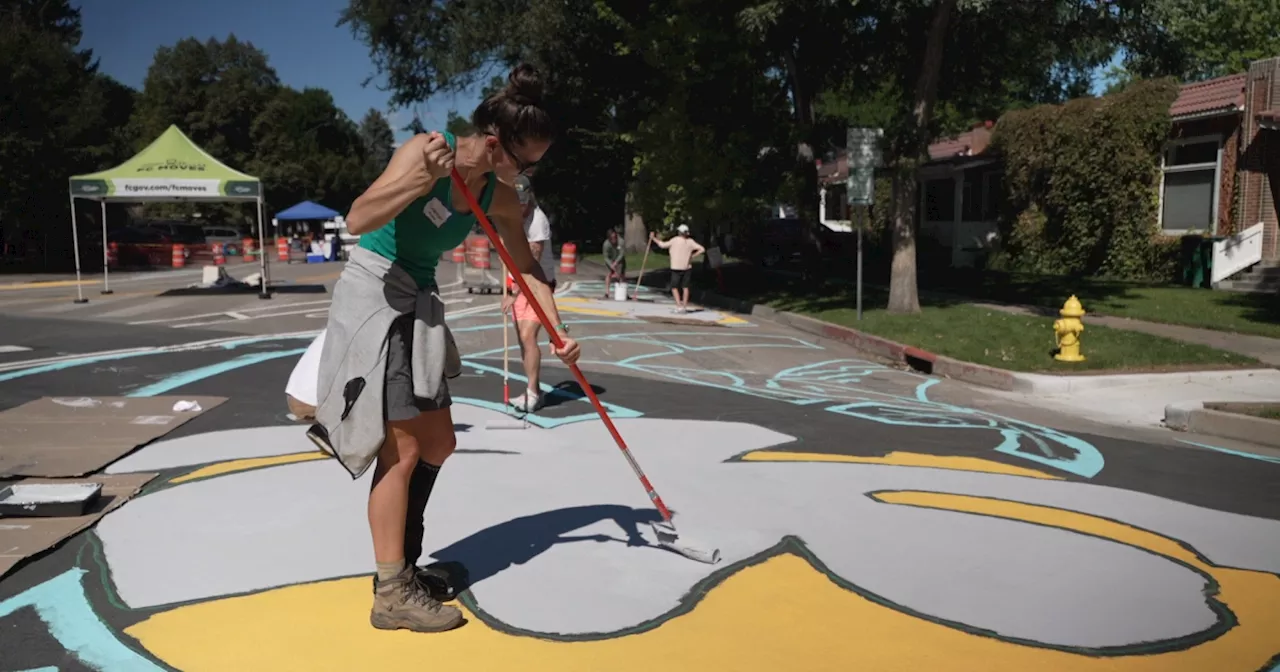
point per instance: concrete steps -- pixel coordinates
(1261, 278)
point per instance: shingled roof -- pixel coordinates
(1196, 99)
(1223, 94)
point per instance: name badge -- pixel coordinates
(436, 212)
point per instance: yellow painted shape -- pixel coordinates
(730, 319)
(45, 284)
(232, 466)
(780, 614)
(577, 310)
(899, 459)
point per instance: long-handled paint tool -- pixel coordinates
(665, 530)
(643, 261)
(506, 369)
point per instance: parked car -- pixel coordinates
(229, 238)
(177, 231)
(143, 246)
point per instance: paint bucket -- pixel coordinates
(619, 291)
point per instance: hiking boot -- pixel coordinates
(443, 581)
(402, 602)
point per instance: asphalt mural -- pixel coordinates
(864, 524)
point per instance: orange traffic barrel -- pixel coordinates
(179, 256)
(569, 258)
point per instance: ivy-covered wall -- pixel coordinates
(1082, 185)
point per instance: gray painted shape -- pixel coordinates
(306, 522)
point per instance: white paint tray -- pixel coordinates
(48, 499)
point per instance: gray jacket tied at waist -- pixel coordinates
(371, 293)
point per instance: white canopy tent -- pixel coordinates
(172, 168)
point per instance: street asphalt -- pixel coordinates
(823, 431)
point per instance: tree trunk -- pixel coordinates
(806, 170)
(903, 294)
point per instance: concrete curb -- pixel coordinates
(977, 374)
(1194, 417)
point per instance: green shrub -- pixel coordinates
(1081, 181)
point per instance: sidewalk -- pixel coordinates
(1259, 347)
(1136, 400)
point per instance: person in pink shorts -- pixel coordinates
(538, 229)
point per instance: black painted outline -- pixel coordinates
(789, 544)
(1226, 619)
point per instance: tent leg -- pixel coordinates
(262, 255)
(75, 242)
(106, 281)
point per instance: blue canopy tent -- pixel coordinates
(307, 210)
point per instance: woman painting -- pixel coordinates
(383, 393)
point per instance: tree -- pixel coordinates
(59, 117)
(211, 90)
(933, 66)
(1194, 39)
(379, 142)
(903, 295)
(450, 46)
(307, 149)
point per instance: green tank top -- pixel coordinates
(414, 242)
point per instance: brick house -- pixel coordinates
(1219, 172)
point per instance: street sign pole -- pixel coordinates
(864, 158)
(859, 227)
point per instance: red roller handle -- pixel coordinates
(557, 341)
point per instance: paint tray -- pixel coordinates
(48, 499)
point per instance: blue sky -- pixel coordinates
(300, 38)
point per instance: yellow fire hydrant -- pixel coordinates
(1067, 331)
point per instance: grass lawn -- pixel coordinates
(978, 335)
(1256, 314)
(1265, 411)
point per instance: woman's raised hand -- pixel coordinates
(437, 156)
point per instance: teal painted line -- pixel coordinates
(922, 390)
(614, 410)
(1238, 453)
(70, 363)
(94, 359)
(41, 669)
(61, 603)
(177, 380)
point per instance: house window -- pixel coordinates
(940, 200)
(1189, 190)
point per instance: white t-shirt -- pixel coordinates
(537, 228)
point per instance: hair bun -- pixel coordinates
(524, 85)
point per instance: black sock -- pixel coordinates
(420, 486)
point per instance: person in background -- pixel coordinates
(683, 249)
(537, 228)
(615, 259)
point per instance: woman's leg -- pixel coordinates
(400, 601)
(419, 435)
(437, 442)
